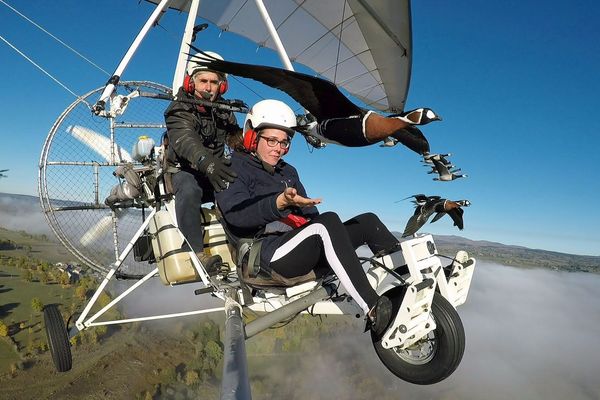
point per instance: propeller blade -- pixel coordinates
(99, 143)
(100, 229)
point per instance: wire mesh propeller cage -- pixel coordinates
(76, 167)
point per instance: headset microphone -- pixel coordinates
(198, 28)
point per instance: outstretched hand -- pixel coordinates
(290, 198)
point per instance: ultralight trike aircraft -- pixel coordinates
(136, 227)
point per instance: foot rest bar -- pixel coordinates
(424, 284)
(295, 307)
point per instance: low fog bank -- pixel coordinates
(531, 334)
(23, 213)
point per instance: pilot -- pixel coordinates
(196, 135)
(268, 204)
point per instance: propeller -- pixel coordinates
(102, 146)
(99, 143)
(101, 228)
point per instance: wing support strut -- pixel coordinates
(316, 140)
(185, 46)
(285, 59)
(100, 105)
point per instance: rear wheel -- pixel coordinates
(58, 338)
(435, 356)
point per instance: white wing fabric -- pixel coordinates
(373, 61)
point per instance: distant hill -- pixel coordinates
(20, 197)
(41, 247)
(517, 255)
(23, 213)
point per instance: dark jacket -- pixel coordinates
(195, 131)
(249, 204)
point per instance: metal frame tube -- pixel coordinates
(285, 59)
(110, 86)
(235, 384)
(155, 317)
(111, 272)
(115, 232)
(79, 323)
(111, 127)
(82, 323)
(139, 283)
(136, 125)
(96, 184)
(185, 46)
(268, 320)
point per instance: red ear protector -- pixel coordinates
(223, 86)
(190, 87)
(251, 142)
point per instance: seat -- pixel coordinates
(263, 280)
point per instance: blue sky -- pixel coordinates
(517, 83)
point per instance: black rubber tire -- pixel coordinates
(447, 344)
(58, 338)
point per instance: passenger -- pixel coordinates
(196, 136)
(268, 203)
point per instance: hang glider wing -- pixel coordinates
(319, 96)
(364, 47)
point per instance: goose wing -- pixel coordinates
(320, 97)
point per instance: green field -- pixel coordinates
(27, 251)
(15, 310)
(35, 246)
(7, 356)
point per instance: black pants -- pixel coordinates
(191, 190)
(325, 240)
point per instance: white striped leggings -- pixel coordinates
(326, 241)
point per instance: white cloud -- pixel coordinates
(531, 334)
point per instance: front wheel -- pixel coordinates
(434, 357)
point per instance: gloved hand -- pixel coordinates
(217, 169)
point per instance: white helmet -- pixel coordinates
(270, 114)
(194, 67)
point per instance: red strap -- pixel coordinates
(295, 221)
